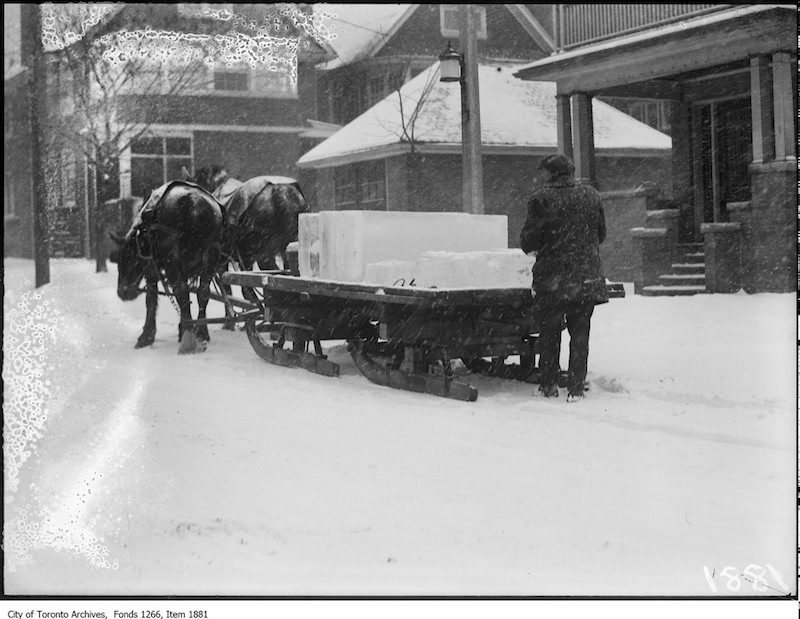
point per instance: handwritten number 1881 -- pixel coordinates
(753, 574)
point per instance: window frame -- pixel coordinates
(164, 156)
(652, 113)
(228, 73)
(361, 178)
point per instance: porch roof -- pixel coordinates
(702, 42)
(517, 117)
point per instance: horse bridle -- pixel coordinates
(139, 247)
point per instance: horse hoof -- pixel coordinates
(190, 343)
(143, 342)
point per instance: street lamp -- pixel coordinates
(450, 68)
(463, 68)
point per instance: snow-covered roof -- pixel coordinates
(319, 129)
(516, 116)
(361, 29)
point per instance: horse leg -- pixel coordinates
(203, 295)
(148, 334)
(247, 262)
(230, 324)
(184, 305)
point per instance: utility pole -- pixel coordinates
(472, 174)
(37, 93)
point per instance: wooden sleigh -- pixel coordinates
(402, 337)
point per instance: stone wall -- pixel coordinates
(769, 229)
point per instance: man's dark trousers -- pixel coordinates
(578, 317)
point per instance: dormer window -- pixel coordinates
(450, 16)
(232, 81)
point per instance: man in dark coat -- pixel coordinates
(565, 226)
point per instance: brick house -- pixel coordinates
(253, 120)
(730, 75)
(374, 162)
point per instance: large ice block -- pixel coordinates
(391, 272)
(308, 240)
(502, 268)
(346, 241)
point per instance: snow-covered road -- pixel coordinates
(219, 474)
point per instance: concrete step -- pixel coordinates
(695, 257)
(688, 279)
(691, 267)
(672, 291)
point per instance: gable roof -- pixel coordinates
(517, 117)
(361, 29)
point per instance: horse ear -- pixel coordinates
(185, 173)
(116, 238)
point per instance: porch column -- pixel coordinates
(762, 109)
(785, 148)
(564, 125)
(583, 138)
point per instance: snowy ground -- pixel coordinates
(151, 473)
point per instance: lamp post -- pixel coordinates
(463, 68)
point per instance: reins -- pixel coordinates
(152, 259)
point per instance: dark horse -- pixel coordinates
(176, 239)
(261, 216)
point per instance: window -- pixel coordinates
(261, 81)
(378, 87)
(372, 179)
(376, 90)
(229, 80)
(272, 83)
(9, 199)
(157, 160)
(361, 186)
(653, 113)
(345, 103)
(345, 194)
(449, 20)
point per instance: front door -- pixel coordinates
(722, 153)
